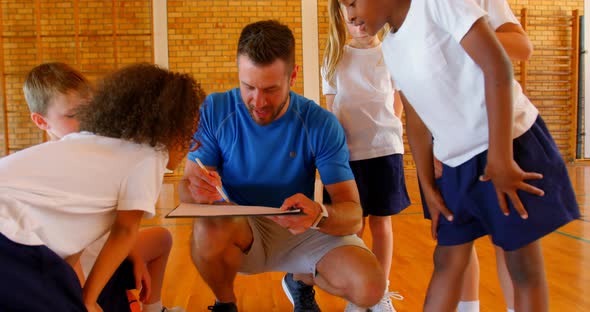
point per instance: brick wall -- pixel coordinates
(97, 36)
(203, 36)
(93, 36)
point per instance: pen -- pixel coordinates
(217, 187)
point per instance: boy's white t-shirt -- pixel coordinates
(441, 81)
(363, 104)
(65, 194)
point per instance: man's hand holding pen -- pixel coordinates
(205, 186)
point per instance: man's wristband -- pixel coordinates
(321, 219)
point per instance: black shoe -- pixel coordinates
(223, 307)
(302, 296)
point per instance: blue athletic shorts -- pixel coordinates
(34, 278)
(113, 297)
(381, 184)
(475, 206)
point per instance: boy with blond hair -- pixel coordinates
(54, 92)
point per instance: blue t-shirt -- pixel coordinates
(264, 165)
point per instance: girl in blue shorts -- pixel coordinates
(359, 91)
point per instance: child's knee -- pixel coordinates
(380, 224)
(526, 265)
(165, 237)
(451, 258)
(525, 270)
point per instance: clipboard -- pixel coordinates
(185, 210)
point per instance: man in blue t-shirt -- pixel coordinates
(265, 143)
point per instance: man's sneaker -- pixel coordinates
(351, 307)
(223, 307)
(385, 304)
(302, 296)
(173, 309)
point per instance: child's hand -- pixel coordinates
(507, 179)
(436, 206)
(143, 280)
(438, 168)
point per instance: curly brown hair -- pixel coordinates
(146, 104)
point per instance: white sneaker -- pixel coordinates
(385, 304)
(351, 307)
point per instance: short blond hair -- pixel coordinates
(47, 80)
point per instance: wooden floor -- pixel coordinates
(567, 262)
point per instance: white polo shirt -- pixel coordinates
(441, 81)
(64, 194)
(363, 104)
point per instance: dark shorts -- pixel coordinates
(34, 278)
(113, 297)
(475, 206)
(381, 184)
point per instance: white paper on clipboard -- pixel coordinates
(185, 210)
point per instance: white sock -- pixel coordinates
(510, 310)
(152, 307)
(386, 286)
(468, 306)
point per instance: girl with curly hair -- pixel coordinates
(104, 178)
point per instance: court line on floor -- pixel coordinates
(587, 241)
(410, 213)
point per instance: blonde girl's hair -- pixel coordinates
(337, 39)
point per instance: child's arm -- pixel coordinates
(513, 38)
(484, 48)
(74, 262)
(398, 106)
(517, 45)
(515, 41)
(116, 249)
(420, 140)
(330, 101)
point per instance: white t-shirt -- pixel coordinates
(364, 104)
(64, 194)
(441, 81)
(499, 12)
(91, 252)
